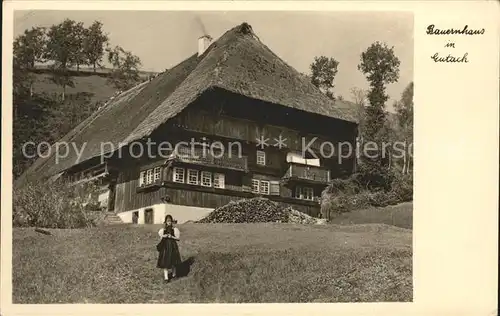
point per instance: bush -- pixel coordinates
(344, 195)
(402, 187)
(55, 205)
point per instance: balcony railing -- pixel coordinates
(199, 156)
(307, 172)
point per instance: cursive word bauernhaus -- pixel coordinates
(432, 30)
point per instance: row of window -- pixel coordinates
(304, 193)
(149, 176)
(196, 177)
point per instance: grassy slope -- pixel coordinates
(92, 84)
(232, 263)
(400, 215)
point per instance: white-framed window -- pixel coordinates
(264, 187)
(308, 193)
(255, 185)
(261, 157)
(304, 193)
(192, 177)
(149, 176)
(274, 187)
(219, 180)
(178, 175)
(142, 178)
(206, 179)
(261, 186)
(156, 173)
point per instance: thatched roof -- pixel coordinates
(237, 62)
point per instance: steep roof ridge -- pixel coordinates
(161, 114)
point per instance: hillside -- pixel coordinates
(223, 263)
(96, 85)
(86, 81)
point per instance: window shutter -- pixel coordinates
(275, 188)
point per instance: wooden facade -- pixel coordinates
(213, 122)
(208, 155)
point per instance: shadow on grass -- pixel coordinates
(184, 268)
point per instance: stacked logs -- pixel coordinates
(258, 210)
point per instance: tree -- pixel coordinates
(79, 56)
(29, 49)
(62, 77)
(323, 71)
(126, 65)
(358, 97)
(404, 114)
(381, 67)
(95, 41)
(62, 48)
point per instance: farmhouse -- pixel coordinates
(227, 123)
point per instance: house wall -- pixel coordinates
(224, 118)
(181, 213)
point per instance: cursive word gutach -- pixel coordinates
(432, 30)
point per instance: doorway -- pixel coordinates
(135, 217)
(148, 216)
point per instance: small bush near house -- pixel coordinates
(55, 205)
(345, 195)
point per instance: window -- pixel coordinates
(219, 180)
(308, 193)
(157, 173)
(264, 187)
(192, 176)
(304, 193)
(149, 176)
(261, 158)
(275, 188)
(178, 175)
(206, 179)
(261, 186)
(255, 185)
(142, 178)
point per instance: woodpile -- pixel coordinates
(258, 210)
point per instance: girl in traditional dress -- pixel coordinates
(169, 256)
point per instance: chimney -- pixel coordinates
(203, 43)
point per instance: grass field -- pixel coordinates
(99, 86)
(400, 215)
(263, 262)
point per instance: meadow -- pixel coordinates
(223, 263)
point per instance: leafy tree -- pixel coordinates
(323, 71)
(126, 65)
(404, 114)
(381, 67)
(29, 49)
(358, 97)
(79, 56)
(95, 41)
(62, 77)
(62, 48)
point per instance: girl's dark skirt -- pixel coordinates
(169, 255)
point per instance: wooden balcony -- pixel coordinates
(307, 173)
(197, 156)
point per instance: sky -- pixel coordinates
(162, 39)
